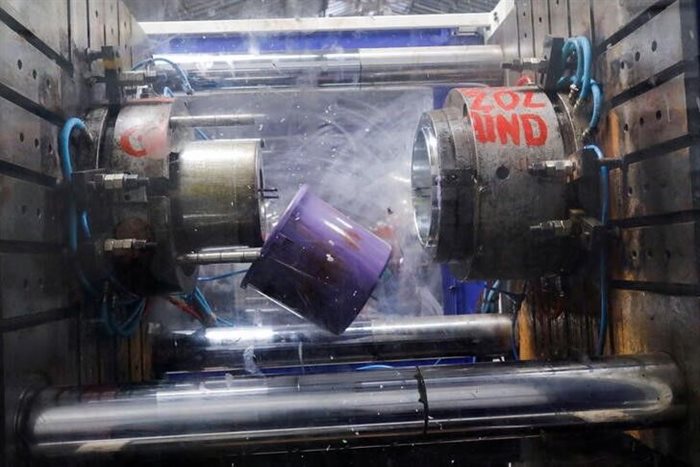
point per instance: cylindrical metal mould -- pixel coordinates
(318, 263)
(263, 347)
(349, 409)
(361, 67)
(217, 195)
(474, 196)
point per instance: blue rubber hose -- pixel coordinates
(603, 272)
(67, 171)
(573, 45)
(597, 94)
(585, 60)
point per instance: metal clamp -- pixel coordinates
(114, 245)
(118, 181)
(552, 229)
(555, 168)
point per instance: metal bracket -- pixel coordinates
(553, 169)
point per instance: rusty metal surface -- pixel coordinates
(610, 16)
(659, 254)
(644, 53)
(650, 119)
(653, 197)
(655, 186)
(649, 322)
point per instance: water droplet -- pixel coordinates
(329, 258)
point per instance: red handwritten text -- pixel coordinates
(506, 116)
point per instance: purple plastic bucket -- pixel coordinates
(319, 264)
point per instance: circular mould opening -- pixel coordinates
(423, 185)
(502, 172)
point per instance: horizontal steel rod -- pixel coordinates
(214, 120)
(348, 409)
(463, 22)
(247, 255)
(254, 347)
(363, 67)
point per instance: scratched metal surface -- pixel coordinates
(44, 335)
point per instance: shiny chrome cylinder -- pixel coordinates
(254, 347)
(475, 196)
(446, 64)
(214, 120)
(349, 409)
(217, 201)
(363, 67)
(238, 255)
